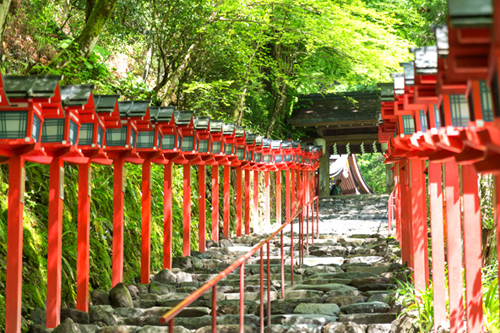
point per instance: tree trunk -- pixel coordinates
(84, 44)
(89, 7)
(4, 11)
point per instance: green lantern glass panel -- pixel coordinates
(267, 158)
(168, 142)
(53, 130)
(179, 140)
(216, 147)
(459, 111)
(486, 101)
(145, 139)
(158, 141)
(203, 146)
(116, 137)
(37, 124)
(73, 132)
(133, 136)
(278, 158)
(288, 158)
(229, 149)
(100, 136)
(437, 117)
(423, 120)
(187, 143)
(258, 157)
(86, 134)
(408, 125)
(13, 124)
(240, 153)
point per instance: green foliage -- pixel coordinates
(101, 229)
(372, 169)
(490, 298)
(419, 306)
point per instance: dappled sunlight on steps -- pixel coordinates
(344, 286)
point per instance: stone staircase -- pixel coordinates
(345, 284)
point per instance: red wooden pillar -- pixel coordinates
(497, 211)
(278, 197)
(419, 225)
(437, 240)
(247, 202)
(54, 253)
(472, 250)
(118, 201)
(215, 203)
(146, 222)
(405, 236)
(256, 197)
(186, 211)
(82, 264)
(287, 194)
(238, 202)
(167, 216)
(454, 247)
(267, 200)
(293, 198)
(227, 193)
(13, 296)
(201, 208)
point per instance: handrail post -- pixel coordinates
(247, 202)
(242, 298)
(267, 200)
(262, 290)
(256, 198)
(171, 326)
(268, 283)
(214, 308)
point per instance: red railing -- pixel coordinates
(391, 211)
(240, 262)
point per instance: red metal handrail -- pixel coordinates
(240, 262)
(391, 210)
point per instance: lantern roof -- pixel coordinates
(425, 59)
(105, 103)
(258, 140)
(286, 144)
(266, 143)
(30, 86)
(161, 114)
(76, 95)
(216, 126)
(386, 91)
(183, 117)
(275, 144)
(295, 144)
(228, 129)
(133, 108)
(443, 45)
(250, 138)
(239, 131)
(409, 72)
(202, 123)
(470, 13)
(399, 83)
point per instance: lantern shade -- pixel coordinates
(409, 72)
(399, 83)
(77, 95)
(386, 91)
(24, 87)
(443, 45)
(470, 13)
(425, 60)
(203, 137)
(106, 107)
